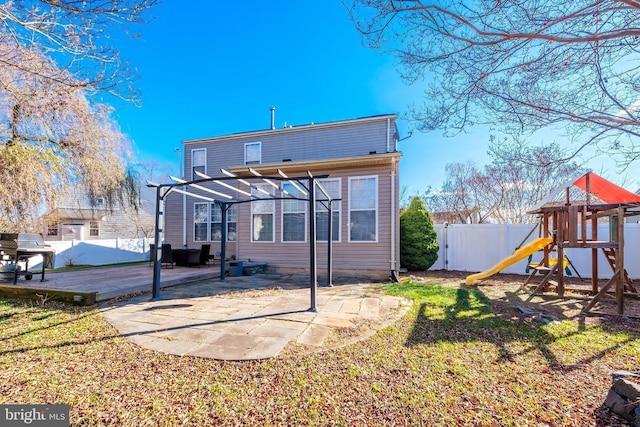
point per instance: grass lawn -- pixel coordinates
(461, 356)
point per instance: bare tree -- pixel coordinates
(461, 199)
(504, 190)
(52, 134)
(77, 34)
(517, 64)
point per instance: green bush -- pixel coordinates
(418, 238)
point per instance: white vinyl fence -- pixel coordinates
(477, 247)
(97, 252)
(463, 247)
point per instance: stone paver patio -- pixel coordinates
(250, 317)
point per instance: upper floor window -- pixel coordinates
(294, 215)
(333, 186)
(253, 153)
(198, 162)
(363, 209)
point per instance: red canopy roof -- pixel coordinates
(605, 190)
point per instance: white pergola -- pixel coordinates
(306, 185)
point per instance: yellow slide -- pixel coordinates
(523, 252)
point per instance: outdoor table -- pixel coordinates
(186, 257)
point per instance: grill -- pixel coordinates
(18, 247)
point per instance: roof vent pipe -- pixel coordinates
(273, 118)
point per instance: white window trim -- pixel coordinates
(338, 203)
(211, 207)
(273, 218)
(351, 178)
(97, 228)
(193, 229)
(57, 228)
(306, 223)
(193, 176)
(259, 143)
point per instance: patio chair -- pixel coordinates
(167, 255)
(205, 255)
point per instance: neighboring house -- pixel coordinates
(81, 217)
(362, 163)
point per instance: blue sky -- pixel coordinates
(214, 68)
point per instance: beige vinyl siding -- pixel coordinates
(173, 220)
(321, 143)
(347, 255)
(339, 149)
(305, 143)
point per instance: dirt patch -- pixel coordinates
(511, 303)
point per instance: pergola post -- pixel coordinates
(158, 240)
(224, 207)
(313, 274)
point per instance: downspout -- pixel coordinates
(394, 275)
(184, 217)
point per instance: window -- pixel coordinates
(262, 214)
(216, 223)
(333, 187)
(294, 215)
(198, 162)
(210, 228)
(53, 228)
(232, 221)
(253, 153)
(94, 228)
(363, 207)
(200, 221)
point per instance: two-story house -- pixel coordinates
(360, 164)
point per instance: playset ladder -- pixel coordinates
(610, 256)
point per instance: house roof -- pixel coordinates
(79, 214)
(594, 186)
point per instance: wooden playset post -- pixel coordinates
(560, 249)
(620, 260)
(594, 255)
